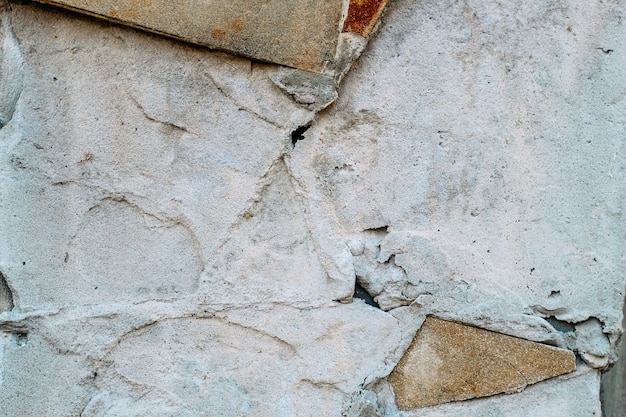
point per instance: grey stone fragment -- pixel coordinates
(314, 90)
(349, 49)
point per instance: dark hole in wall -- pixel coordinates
(298, 134)
(560, 325)
(6, 296)
(21, 338)
(360, 292)
(378, 230)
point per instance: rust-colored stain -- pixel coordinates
(218, 34)
(237, 25)
(88, 158)
(362, 16)
(130, 10)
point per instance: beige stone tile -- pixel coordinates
(449, 361)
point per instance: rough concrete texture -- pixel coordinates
(450, 361)
(10, 67)
(172, 248)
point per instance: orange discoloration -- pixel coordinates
(362, 16)
(237, 25)
(131, 11)
(218, 34)
(88, 158)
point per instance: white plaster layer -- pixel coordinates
(170, 251)
(501, 129)
(11, 62)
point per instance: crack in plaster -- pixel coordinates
(239, 105)
(158, 120)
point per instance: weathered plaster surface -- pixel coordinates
(10, 67)
(171, 248)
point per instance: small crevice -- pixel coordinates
(377, 230)
(20, 338)
(560, 325)
(360, 292)
(298, 134)
(167, 123)
(6, 295)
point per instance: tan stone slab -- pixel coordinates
(301, 34)
(449, 361)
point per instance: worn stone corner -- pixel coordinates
(449, 361)
(303, 34)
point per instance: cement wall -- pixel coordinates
(180, 237)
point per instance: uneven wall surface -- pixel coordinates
(170, 247)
